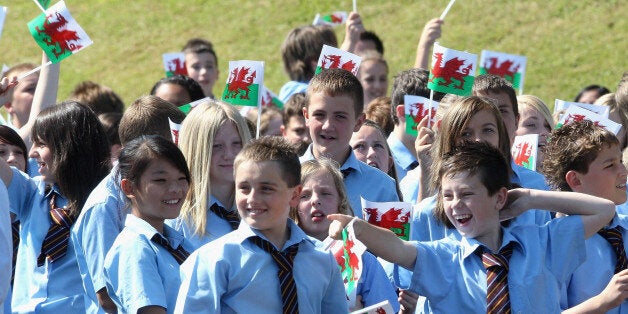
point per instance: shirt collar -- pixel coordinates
(400, 153)
(144, 228)
(471, 246)
(296, 234)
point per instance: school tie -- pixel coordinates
(497, 298)
(15, 230)
(230, 216)
(346, 172)
(614, 237)
(56, 241)
(413, 165)
(179, 254)
(284, 262)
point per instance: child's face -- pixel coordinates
(263, 197)
(22, 98)
(468, 206)
(13, 155)
(374, 78)
(159, 194)
(202, 68)
(482, 127)
(369, 146)
(42, 153)
(297, 133)
(318, 199)
(606, 177)
(274, 127)
(227, 144)
(173, 93)
(332, 121)
(531, 121)
(505, 107)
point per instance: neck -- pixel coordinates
(340, 158)
(406, 139)
(223, 192)
(493, 240)
(277, 237)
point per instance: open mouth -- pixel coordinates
(172, 201)
(462, 219)
(318, 216)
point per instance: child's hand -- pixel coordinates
(423, 142)
(431, 32)
(616, 291)
(516, 204)
(339, 222)
(6, 90)
(407, 300)
(353, 29)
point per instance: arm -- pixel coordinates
(153, 309)
(6, 90)
(353, 29)
(430, 33)
(408, 301)
(423, 144)
(107, 304)
(611, 297)
(381, 242)
(595, 212)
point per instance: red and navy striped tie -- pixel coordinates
(179, 254)
(231, 217)
(284, 261)
(497, 297)
(614, 237)
(55, 243)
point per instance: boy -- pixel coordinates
(201, 64)
(102, 217)
(474, 198)
(334, 102)
(238, 273)
(293, 128)
(585, 158)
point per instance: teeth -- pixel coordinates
(462, 217)
(175, 201)
(317, 215)
(621, 186)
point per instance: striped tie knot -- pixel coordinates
(497, 297)
(346, 172)
(179, 254)
(284, 261)
(231, 217)
(616, 240)
(55, 243)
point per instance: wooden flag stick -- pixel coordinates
(25, 74)
(429, 110)
(442, 16)
(355, 6)
(39, 5)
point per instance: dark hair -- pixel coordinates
(302, 46)
(198, 46)
(601, 90)
(9, 136)
(101, 99)
(410, 82)
(79, 147)
(273, 148)
(110, 122)
(190, 85)
(371, 36)
(293, 107)
(378, 111)
(148, 115)
(490, 83)
(573, 146)
(476, 158)
(137, 155)
(337, 82)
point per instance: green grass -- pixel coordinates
(569, 44)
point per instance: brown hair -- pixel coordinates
(273, 148)
(303, 46)
(146, 116)
(100, 98)
(378, 111)
(337, 82)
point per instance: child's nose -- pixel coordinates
(32, 153)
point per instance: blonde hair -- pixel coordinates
(539, 105)
(196, 139)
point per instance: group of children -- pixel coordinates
(222, 223)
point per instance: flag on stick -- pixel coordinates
(394, 216)
(174, 63)
(417, 108)
(333, 19)
(525, 150)
(244, 84)
(174, 131)
(452, 71)
(188, 107)
(269, 99)
(563, 105)
(3, 14)
(511, 67)
(576, 113)
(334, 58)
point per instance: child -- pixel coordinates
(323, 193)
(20, 99)
(378, 111)
(535, 118)
(474, 198)
(373, 74)
(270, 121)
(368, 41)
(585, 158)
(178, 90)
(102, 99)
(5, 246)
(239, 272)
(71, 150)
(141, 268)
(201, 64)
(211, 136)
(589, 94)
(333, 113)
(293, 128)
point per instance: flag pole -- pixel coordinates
(429, 110)
(39, 5)
(25, 74)
(451, 3)
(355, 6)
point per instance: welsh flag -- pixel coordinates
(576, 113)
(563, 105)
(269, 99)
(57, 33)
(174, 131)
(525, 150)
(417, 108)
(510, 67)
(188, 107)
(452, 71)
(394, 216)
(3, 14)
(348, 254)
(333, 19)
(174, 63)
(44, 3)
(245, 83)
(383, 307)
(334, 58)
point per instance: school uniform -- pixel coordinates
(362, 180)
(450, 273)
(404, 159)
(596, 272)
(54, 287)
(374, 286)
(140, 272)
(622, 208)
(94, 232)
(6, 246)
(234, 275)
(216, 226)
(291, 88)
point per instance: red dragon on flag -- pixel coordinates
(392, 219)
(421, 110)
(58, 36)
(177, 67)
(336, 64)
(503, 69)
(450, 71)
(239, 82)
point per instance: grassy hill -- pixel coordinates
(569, 44)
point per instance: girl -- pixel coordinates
(142, 266)
(373, 75)
(71, 150)
(535, 118)
(323, 193)
(210, 138)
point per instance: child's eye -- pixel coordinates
(340, 117)
(530, 125)
(488, 130)
(358, 147)
(378, 146)
(447, 197)
(305, 196)
(159, 180)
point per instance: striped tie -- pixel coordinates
(284, 262)
(346, 172)
(56, 241)
(497, 298)
(231, 217)
(614, 237)
(179, 254)
(15, 230)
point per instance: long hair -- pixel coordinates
(196, 139)
(79, 147)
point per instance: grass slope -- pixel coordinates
(569, 44)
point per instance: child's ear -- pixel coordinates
(359, 121)
(502, 198)
(305, 114)
(401, 112)
(127, 188)
(282, 128)
(296, 193)
(572, 178)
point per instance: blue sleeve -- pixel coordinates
(6, 245)
(21, 194)
(202, 285)
(431, 266)
(565, 246)
(374, 286)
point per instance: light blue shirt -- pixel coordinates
(368, 182)
(234, 275)
(6, 246)
(374, 285)
(596, 272)
(451, 275)
(402, 156)
(291, 88)
(622, 208)
(97, 227)
(528, 178)
(140, 272)
(53, 287)
(216, 227)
